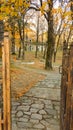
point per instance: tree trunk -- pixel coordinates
(23, 51)
(49, 55)
(50, 42)
(23, 42)
(36, 51)
(42, 43)
(21, 33)
(13, 41)
(19, 53)
(37, 39)
(13, 46)
(44, 55)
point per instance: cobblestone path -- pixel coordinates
(39, 109)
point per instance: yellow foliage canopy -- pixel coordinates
(12, 7)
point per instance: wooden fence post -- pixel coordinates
(6, 83)
(7, 49)
(0, 122)
(67, 90)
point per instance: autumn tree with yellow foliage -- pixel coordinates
(13, 13)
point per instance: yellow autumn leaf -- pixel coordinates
(26, 5)
(54, 10)
(7, 10)
(60, 10)
(64, 25)
(20, 2)
(68, 13)
(14, 13)
(12, 1)
(1, 17)
(2, 8)
(69, 18)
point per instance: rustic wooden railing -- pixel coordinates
(67, 89)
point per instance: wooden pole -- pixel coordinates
(7, 50)
(0, 122)
(4, 86)
(6, 82)
(67, 91)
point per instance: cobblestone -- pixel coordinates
(43, 112)
(36, 116)
(36, 121)
(38, 106)
(39, 109)
(34, 110)
(19, 113)
(23, 119)
(24, 108)
(39, 126)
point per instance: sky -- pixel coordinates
(56, 4)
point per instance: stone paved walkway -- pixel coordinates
(39, 109)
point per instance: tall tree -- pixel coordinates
(46, 10)
(50, 40)
(37, 35)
